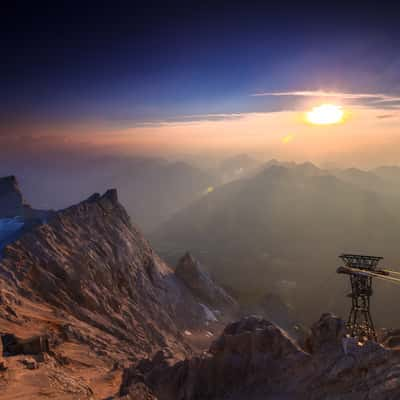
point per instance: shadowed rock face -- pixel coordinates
(254, 359)
(12, 203)
(16, 216)
(326, 334)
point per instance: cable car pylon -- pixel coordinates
(361, 269)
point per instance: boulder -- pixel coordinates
(30, 363)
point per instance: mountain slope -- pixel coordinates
(90, 285)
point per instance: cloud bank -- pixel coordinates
(376, 100)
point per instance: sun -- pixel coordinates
(325, 114)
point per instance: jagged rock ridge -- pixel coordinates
(253, 359)
(90, 261)
(85, 278)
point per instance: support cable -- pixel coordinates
(369, 273)
(392, 272)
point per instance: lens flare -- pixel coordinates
(287, 139)
(325, 114)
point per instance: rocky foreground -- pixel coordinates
(255, 359)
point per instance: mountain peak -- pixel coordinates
(9, 184)
(12, 202)
(112, 195)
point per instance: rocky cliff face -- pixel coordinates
(88, 284)
(16, 216)
(254, 359)
(11, 201)
(91, 262)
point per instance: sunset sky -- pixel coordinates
(172, 78)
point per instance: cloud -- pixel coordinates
(191, 118)
(384, 116)
(369, 99)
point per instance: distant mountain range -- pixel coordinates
(288, 223)
(151, 189)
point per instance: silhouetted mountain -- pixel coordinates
(286, 223)
(12, 203)
(365, 179)
(389, 173)
(16, 215)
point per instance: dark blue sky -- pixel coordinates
(156, 60)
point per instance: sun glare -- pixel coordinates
(325, 114)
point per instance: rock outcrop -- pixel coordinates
(12, 203)
(254, 359)
(199, 282)
(327, 334)
(16, 216)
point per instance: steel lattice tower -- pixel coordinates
(361, 270)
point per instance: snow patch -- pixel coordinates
(210, 316)
(9, 228)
